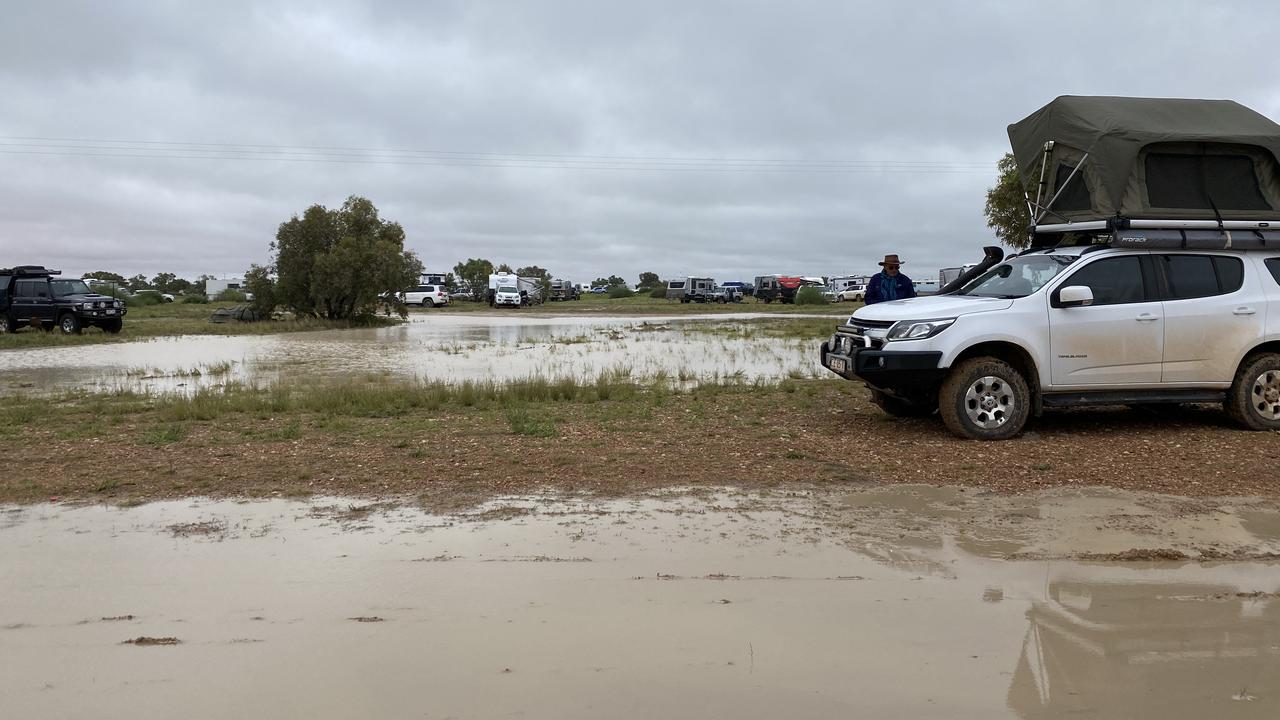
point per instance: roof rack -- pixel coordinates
(1171, 234)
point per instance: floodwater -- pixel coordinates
(451, 348)
(726, 605)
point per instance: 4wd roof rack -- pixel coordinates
(1171, 234)
(29, 270)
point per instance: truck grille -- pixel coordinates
(870, 324)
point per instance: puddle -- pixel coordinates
(451, 348)
(669, 605)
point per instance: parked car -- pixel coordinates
(426, 296)
(31, 295)
(1112, 304)
(599, 289)
(725, 294)
(460, 294)
(855, 292)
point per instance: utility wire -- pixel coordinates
(152, 149)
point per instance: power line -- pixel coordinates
(250, 147)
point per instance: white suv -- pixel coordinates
(1070, 326)
(426, 296)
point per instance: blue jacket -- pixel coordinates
(876, 289)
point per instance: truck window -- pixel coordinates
(1196, 276)
(32, 288)
(1113, 280)
(1273, 266)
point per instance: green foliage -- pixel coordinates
(810, 295)
(163, 282)
(504, 268)
(475, 272)
(136, 283)
(649, 280)
(106, 276)
(658, 292)
(609, 282)
(259, 282)
(230, 295)
(620, 291)
(522, 423)
(336, 263)
(143, 299)
(1006, 207)
(194, 300)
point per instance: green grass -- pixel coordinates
(169, 319)
(523, 423)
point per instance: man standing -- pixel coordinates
(889, 284)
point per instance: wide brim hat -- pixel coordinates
(891, 260)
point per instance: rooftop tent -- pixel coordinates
(1100, 158)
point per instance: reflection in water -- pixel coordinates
(1172, 650)
(437, 347)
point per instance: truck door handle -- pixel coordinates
(1244, 311)
(1146, 317)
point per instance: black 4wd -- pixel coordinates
(32, 295)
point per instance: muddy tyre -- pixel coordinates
(901, 408)
(1253, 401)
(70, 324)
(984, 399)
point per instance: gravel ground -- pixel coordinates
(809, 433)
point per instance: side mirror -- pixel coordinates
(1075, 296)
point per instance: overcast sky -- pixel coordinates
(592, 138)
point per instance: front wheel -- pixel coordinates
(1254, 398)
(984, 399)
(70, 324)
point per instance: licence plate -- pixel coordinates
(111, 312)
(837, 364)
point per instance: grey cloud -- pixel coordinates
(806, 81)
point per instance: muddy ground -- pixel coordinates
(820, 433)
(878, 602)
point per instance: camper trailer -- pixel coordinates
(511, 290)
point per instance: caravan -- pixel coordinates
(510, 290)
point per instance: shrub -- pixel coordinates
(658, 292)
(144, 299)
(195, 300)
(229, 295)
(810, 296)
(620, 291)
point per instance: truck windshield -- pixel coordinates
(1017, 278)
(68, 287)
(507, 289)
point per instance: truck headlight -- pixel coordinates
(917, 329)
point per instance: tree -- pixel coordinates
(611, 281)
(504, 268)
(262, 286)
(1006, 207)
(544, 277)
(199, 285)
(163, 281)
(105, 276)
(136, 283)
(648, 280)
(336, 263)
(180, 285)
(475, 273)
